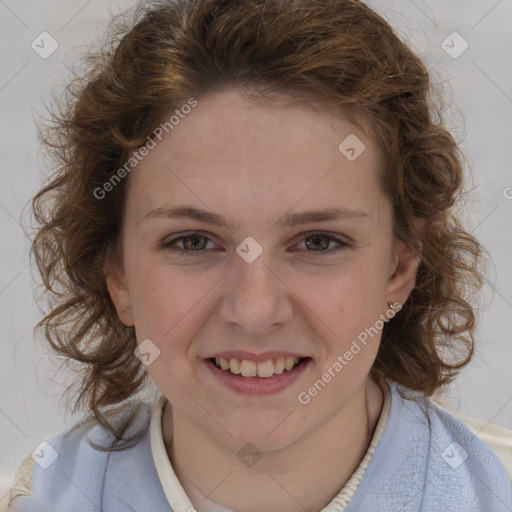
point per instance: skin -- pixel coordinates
(253, 162)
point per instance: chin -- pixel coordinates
(266, 434)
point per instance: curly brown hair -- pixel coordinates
(337, 52)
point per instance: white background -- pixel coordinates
(478, 85)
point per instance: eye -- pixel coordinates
(193, 242)
(320, 242)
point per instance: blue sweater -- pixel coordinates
(425, 461)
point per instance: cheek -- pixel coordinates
(347, 315)
(167, 300)
(166, 307)
(347, 309)
(350, 296)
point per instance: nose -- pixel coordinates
(257, 297)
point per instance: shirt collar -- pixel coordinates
(179, 500)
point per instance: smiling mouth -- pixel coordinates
(263, 369)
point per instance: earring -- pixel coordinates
(394, 308)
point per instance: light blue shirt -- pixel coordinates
(426, 461)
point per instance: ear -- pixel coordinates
(116, 284)
(403, 273)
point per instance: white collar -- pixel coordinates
(180, 501)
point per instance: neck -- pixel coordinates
(305, 475)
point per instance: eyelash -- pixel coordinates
(168, 245)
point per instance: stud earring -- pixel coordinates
(394, 308)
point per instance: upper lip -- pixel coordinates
(251, 356)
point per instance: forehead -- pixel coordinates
(229, 124)
(229, 148)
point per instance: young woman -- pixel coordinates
(253, 208)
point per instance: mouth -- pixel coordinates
(257, 378)
(262, 369)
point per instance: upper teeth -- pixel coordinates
(252, 369)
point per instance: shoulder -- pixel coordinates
(70, 469)
(429, 460)
(498, 438)
(459, 462)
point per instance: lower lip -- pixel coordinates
(258, 385)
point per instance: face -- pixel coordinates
(259, 279)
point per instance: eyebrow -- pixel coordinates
(288, 220)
